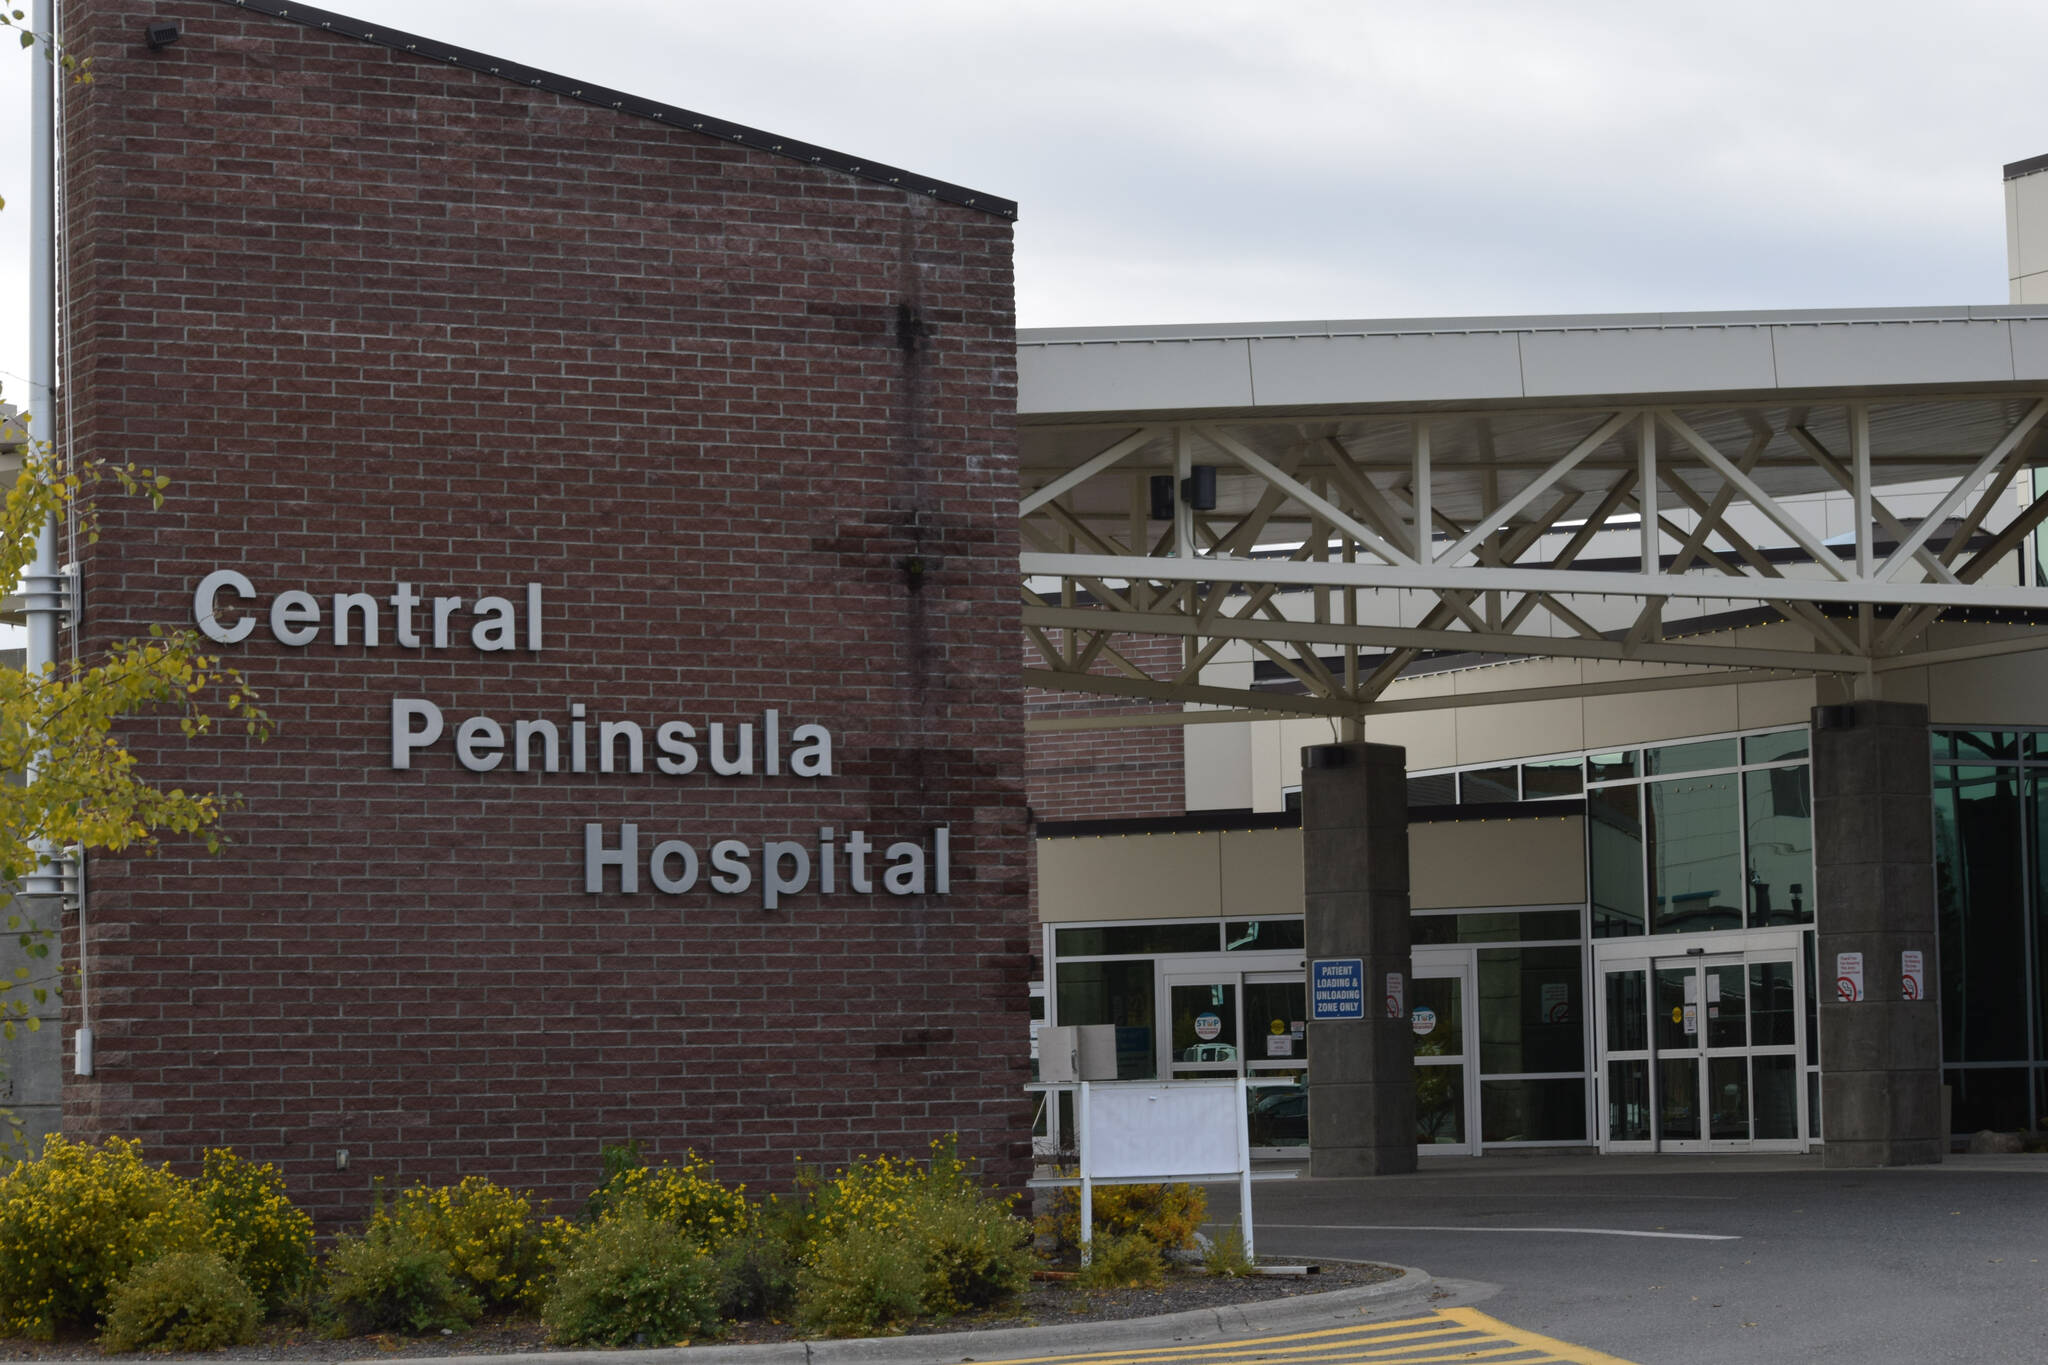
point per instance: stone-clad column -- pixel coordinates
(1354, 843)
(1873, 818)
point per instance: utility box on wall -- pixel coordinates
(1079, 1052)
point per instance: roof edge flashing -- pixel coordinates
(2015, 169)
(516, 73)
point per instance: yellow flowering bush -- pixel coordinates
(486, 1232)
(1168, 1216)
(253, 1224)
(77, 1219)
(688, 1198)
(889, 1240)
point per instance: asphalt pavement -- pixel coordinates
(1685, 1261)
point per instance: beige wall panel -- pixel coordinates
(1144, 876)
(1519, 729)
(1459, 864)
(1648, 716)
(1218, 766)
(1261, 872)
(1430, 737)
(2004, 691)
(1759, 705)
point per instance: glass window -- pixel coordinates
(1433, 789)
(1975, 746)
(1690, 758)
(1261, 933)
(1553, 777)
(1778, 814)
(1608, 767)
(1615, 851)
(1117, 940)
(1994, 1098)
(1979, 894)
(1531, 1010)
(1695, 866)
(2037, 829)
(1533, 1111)
(1495, 926)
(1481, 786)
(1118, 993)
(1776, 748)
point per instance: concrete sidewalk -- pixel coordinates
(1304, 1312)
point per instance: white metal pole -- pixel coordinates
(1244, 1162)
(1087, 1185)
(41, 590)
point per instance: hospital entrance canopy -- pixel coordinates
(1602, 487)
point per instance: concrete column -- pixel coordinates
(1354, 843)
(1873, 827)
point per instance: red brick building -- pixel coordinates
(724, 423)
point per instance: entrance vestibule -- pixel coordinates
(1704, 1045)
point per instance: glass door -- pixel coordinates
(1276, 1059)
(1203, 1028)
(1702, 1053)
(1225, 1023)
(1444, 1079)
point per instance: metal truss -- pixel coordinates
(1342, 550)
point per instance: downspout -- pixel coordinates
(43, 589)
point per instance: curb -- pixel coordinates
(997, 1343)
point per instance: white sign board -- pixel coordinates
(1848, 977)
(1397, 996)
(1912, 976)
(1165, 1132)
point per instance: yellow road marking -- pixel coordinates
(1444, 1336)
(1563, 1350)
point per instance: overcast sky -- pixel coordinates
(1185, 161)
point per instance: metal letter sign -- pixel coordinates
(1336, 988)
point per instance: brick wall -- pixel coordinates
(385, 320)
(1102, 774)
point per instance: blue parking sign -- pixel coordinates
(1336, 988)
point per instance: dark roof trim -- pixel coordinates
(2016, 169)
(805, 152)
(1206, 821)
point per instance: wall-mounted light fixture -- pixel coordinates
(1197, 490)
(160, 33)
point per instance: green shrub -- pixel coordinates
(632, 1280)
(1225, 1254)
(892, 1240)
(486, 1233)
(252, 1223)
(77, 1219)
(863, 1281)
(976, 1253)
(1126, 1260)
(389, 1281)
(186, 1301)
(757, 1270)
(687, 1197)
(1168, 1216)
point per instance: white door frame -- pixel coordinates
(1698, 952)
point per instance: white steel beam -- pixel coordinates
(1301, 493)
(2008, 445)
(1762, 501)
(1085, 471)
(1501, 515)
(1415, 637)
(1440, 577)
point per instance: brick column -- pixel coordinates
(1354, 840)
(1873, 822)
